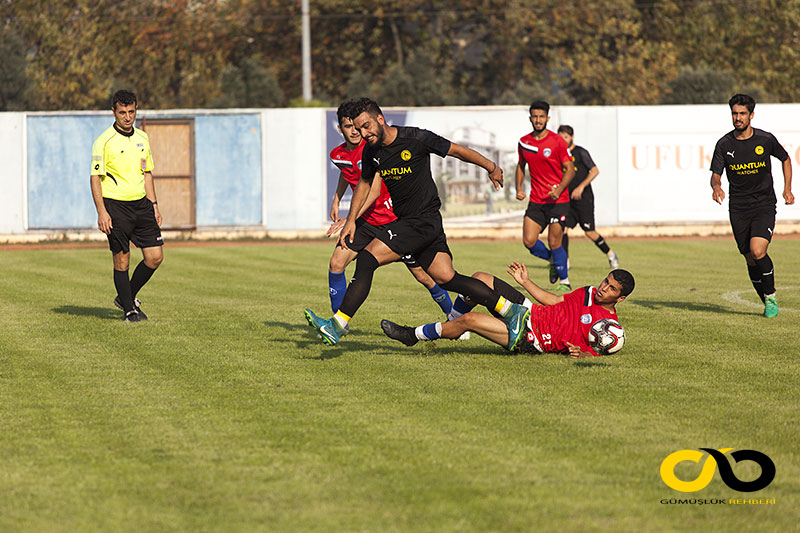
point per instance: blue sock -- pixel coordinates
(337, 285)
(441, 297)
(462, 306)
(429, 331)
(540, 250)
(560, 260)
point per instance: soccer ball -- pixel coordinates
(606, 336)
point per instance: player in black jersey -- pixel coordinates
(744, 154)
(400, 156)
(581, 197)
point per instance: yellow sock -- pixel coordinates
(499, 307)
(341, 318)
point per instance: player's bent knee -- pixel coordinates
(485, 277)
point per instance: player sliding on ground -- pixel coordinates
(560, 325)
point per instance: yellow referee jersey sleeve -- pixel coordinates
(121, 161)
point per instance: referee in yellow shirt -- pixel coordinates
(125, 198)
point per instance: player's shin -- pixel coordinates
(360, 285)
(539, 249)
(337, 286)
(441, 297)
(755, 278)
(767, 275)
(560, 260)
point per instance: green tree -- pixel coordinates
(249, 85)
(16, 87)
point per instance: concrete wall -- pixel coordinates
(269, 168)
(12, 172)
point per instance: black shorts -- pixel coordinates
(364, 234)
(419, 236)
(581, 212)
(757, 222)
(546, 214)
(133, 221)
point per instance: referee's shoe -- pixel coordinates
(137, 304)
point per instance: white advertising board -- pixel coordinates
(664, 155)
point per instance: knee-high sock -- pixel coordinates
(141, 275)
(477, 290)
(565, 243)
(560, 260)
(755, 279)
(361, 283)
(441, 298)
(539, 249)
(123, 285)
(337, 285)
(601, 243)
(767, 275)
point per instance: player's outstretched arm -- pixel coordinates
(788, 197)
(471, 156)
(520, 274)
(718, 195)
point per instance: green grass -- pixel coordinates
(224, 412)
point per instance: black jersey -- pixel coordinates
(747, 165)
(583, 164)
(405, 166)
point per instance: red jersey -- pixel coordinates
(568, 321)
(349, 163)
(544, 158)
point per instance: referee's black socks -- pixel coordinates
(123, 286)
(141, 275)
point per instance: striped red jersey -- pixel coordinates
(544, 158)
(349, 163)
(568, 321)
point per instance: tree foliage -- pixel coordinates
(72, 54)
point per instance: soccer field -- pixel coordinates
(225, 412)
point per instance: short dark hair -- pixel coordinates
(567, 129)
(123, 97)
(540, 104)
(625, 279)
(365, 105)
(743, 99)
(344, 111)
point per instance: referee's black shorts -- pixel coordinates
(756, 222)
(133, 221)
(420, 236)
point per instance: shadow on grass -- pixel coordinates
(687, 306)
(590, 364)
(80, 310)
(312, 344)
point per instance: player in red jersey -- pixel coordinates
(547, 156)
(560, 325)
(374, 214)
